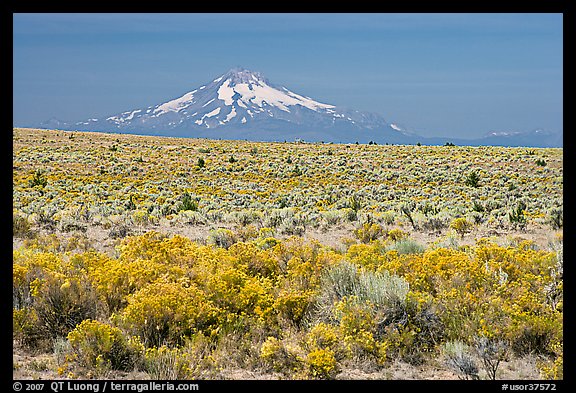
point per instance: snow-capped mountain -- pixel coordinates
(242, 104)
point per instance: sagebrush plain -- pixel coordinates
(146, 257)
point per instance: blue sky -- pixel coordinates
(459, 75)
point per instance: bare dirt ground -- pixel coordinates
(99, 238)
(34, 366)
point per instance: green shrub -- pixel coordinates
(516, 216)
(407, 246)
(346, 279)
(382, 288)
(336, 283)
(246, 217)
(222, 238)
(428, 209)
(38, 179)
(407, 209)
(473, 179)
(21, 227)
(119, 231)
(556, 218)
(458, 357)
(434, 224)
(383, 291)
(62, 350)
(388, 217)
(354, 203)
(130, 205)
(190, 217)
(477, 207)
(293, 226)
(188, 203)
(332, 217)
(349, 214)
(491, 351)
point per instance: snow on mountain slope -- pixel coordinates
(243, 103)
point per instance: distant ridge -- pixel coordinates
(242, 104)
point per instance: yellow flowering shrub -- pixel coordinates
(55, 289)
(26, 327)
(165, 363)
(354, 315)
(323, 335)
(372, 256)
(166, 313)
(554, 369)
(258, 261)
(270, 348)
(357, 327)
(229, 285)
(166, 289)
(277, 356)
(369, 232)
(115, 279)
(461, 225)
(253, 282)
(485, 290)
(322, 363)
(305, 262)
(155, 247)
(396, 234)
(292, 304)
(101, 346)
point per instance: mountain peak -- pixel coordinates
(243, 104)
(242, 75)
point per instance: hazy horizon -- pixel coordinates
(453, 75)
